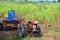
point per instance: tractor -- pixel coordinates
(31, 26)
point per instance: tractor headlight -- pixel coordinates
(35, 22)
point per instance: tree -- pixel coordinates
(26, 0)
(58, 0)
(53, 0)
(9, 0)
(47, 0)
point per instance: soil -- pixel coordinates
(5, 34)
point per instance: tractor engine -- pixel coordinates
(35, 29)
(34, 25)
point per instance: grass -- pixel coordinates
(40, 11)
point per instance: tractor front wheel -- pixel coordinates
(38, 33)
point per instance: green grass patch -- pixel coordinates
(39, 11)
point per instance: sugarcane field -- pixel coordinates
(29, 20)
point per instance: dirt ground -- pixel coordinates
(50, 31)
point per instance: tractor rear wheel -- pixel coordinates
(21, 29)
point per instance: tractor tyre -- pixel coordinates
(37, 34)
(21, 29)
(1, 27)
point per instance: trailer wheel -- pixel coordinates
(1, 27)
(21, 29)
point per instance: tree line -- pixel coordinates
(27, 0)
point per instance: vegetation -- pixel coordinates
(39, 11)
(58, 0)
